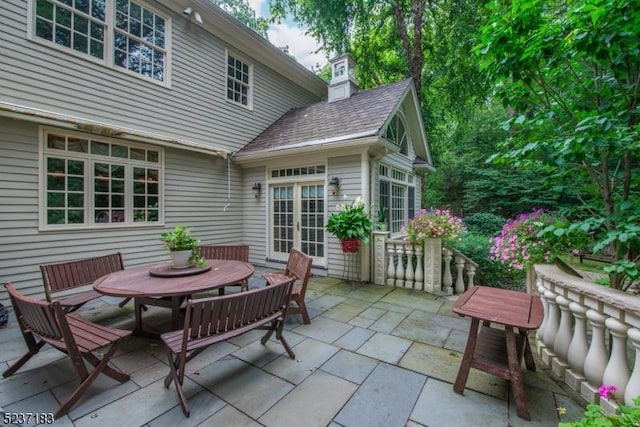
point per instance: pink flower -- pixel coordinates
(605, 391)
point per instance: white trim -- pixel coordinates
(101, 128)
(89, 161)
(243, 60)
(109, 41)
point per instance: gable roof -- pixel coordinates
(363, 114)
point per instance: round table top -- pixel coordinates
(137, 282)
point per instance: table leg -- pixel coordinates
(137, 308)
(175, 312)
(528, 355)
(465, 365)
(514, 372)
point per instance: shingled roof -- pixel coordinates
(361, 115)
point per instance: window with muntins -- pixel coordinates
(396, 133)
(238, 81)
(90, 181)
(396, 195)
(119, 33)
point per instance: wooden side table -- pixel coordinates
(499, 351)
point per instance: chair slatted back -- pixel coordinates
(226, 314)
(299, 266)
(72, 274)
(225, 252)
(37, 317)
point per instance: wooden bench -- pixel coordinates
(211, 320)
(596, 257)
(59, 279)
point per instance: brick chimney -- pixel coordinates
(343, 77)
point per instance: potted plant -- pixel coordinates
(381, 220)
(182, 246)
(433, 224)
(351, 224)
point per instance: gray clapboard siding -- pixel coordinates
(193, 108)
(195, 195)
(255, 215)
(348, 168)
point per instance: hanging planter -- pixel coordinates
(350, 245)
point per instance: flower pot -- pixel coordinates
(180, 259)
(350, 245)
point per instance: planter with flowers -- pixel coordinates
(351, 224)
(428, 228)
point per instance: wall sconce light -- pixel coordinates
(334, 185)
(257, 188)
(188, 11)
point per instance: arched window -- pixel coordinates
(396, 134)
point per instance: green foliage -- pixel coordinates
(180, 239)
(484, 223)
(536, 237)
(490, 273)
(594, 416)
(569, 72)
(352, 221)
(243, 12)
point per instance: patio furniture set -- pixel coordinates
(201, 322)
(206, 320)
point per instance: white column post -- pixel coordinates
(409, 275)
(471, 272)
(400, 266)
(419, 276)
(447, 280)
(433, 265)
(633, 386)
(551, 327)
(617, 370)
(563, 338)
(578, 347)
(391, 267)
(596, 359)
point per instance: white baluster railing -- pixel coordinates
(588, 335)
(426, 267)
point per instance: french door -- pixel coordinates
(298, 219)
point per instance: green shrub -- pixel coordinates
(490, 273)
(485, 223)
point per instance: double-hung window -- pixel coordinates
(396, 196)
(238, 81)
(124, 34)
(92, 181)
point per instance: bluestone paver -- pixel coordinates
(385, 347)
(385, 399)
(350, 366)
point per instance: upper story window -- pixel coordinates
(396, 133)
(114, 32)
(92, 181)
(238, 81)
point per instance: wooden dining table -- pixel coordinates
(162, 285)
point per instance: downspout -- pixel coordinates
(367, 196)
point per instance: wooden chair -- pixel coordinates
(227, 252)
(47, 323)
(67, 276)
(215, 319)
(299, 268)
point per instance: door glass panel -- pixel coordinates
(312, 220)
(282, 219)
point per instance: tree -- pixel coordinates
(242, 11)
(570, 73)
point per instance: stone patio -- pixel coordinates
(372, 356)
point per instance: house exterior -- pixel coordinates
(122, 118)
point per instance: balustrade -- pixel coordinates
(429, 267)
(589, 335)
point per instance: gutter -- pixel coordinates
(105, 129)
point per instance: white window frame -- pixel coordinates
(249, 85)
(404, 143)
(401, 180)
(108, 59)
(89, 159)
